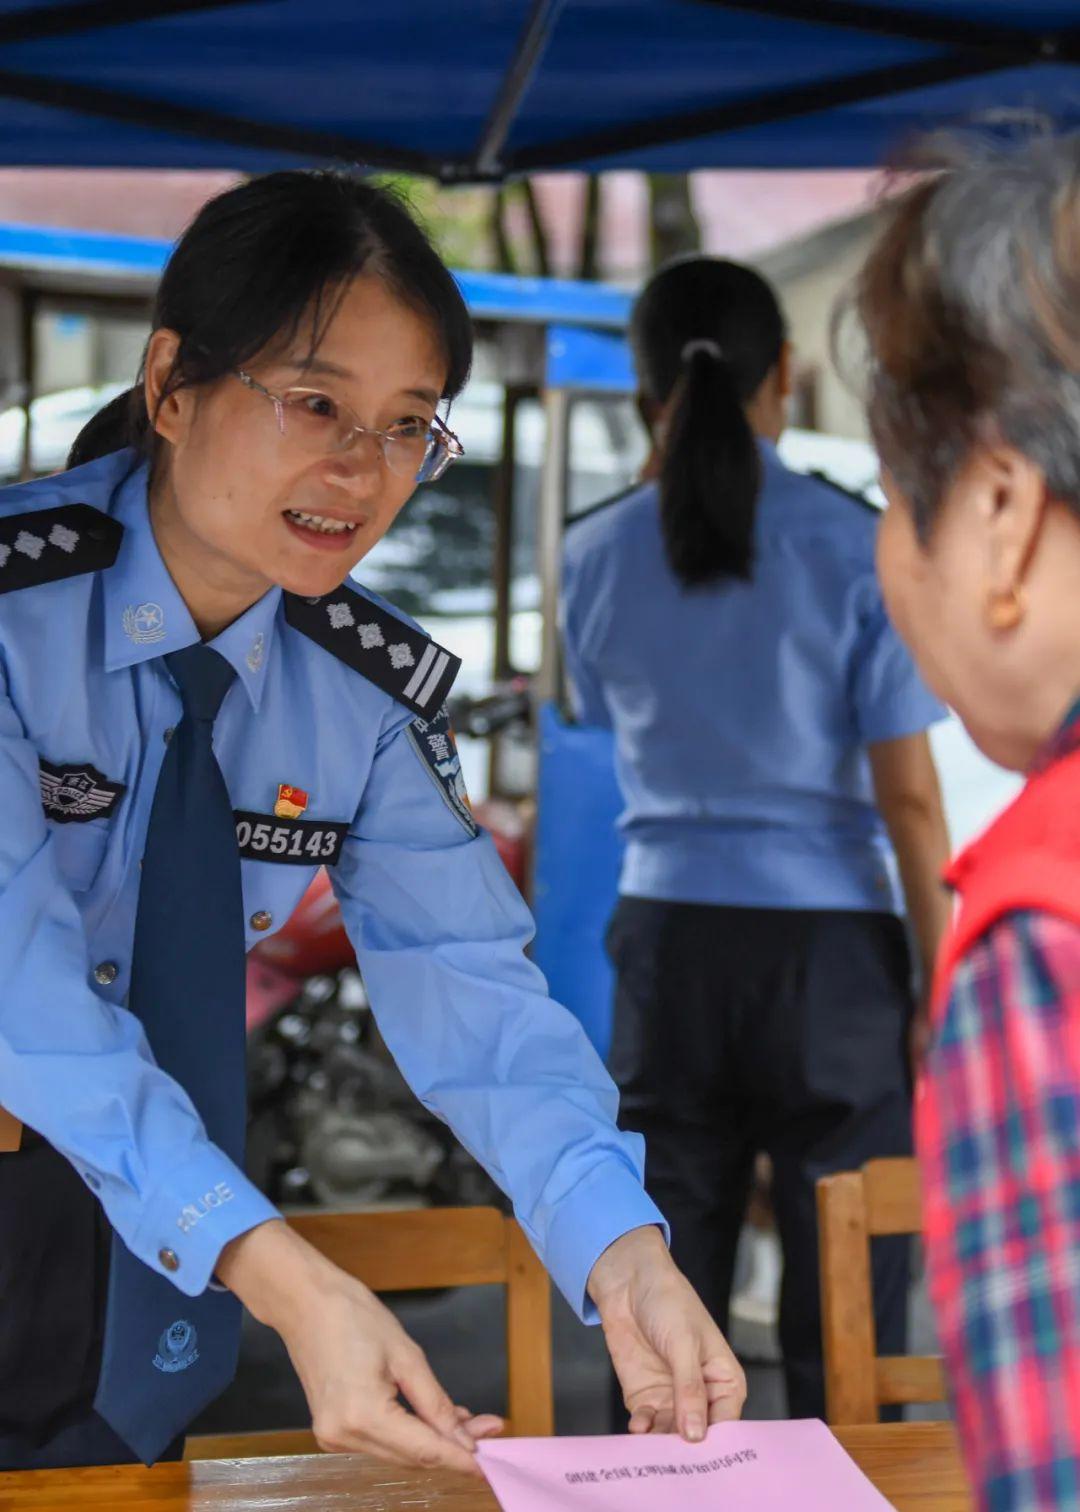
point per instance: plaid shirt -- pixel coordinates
(999, 1121)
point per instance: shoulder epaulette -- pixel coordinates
(848, 493)
(401, 661)
(49, 544)
(598, 508)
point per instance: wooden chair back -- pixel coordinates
(416, 1250)
(10, 1132)
(853, 1207)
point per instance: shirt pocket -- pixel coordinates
(80, 851)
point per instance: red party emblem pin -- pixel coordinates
(291, 801)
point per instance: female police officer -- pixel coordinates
(196, 712)
(725, 621)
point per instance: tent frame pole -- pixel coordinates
(28, 364)
(756, 110)
(1014, 47)
(552, 513)
(531, 47)
(46, 23)
(211, 125)
(503, 544)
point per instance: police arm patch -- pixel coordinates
(76, 794)
(433, 741)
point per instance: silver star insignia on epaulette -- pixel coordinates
(371, 637)
(340, 616)
(30, 545)
(62, 536)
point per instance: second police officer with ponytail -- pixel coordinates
(723, 619)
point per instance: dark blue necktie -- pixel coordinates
(167, 1355)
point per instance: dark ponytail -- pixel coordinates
(706, 334)
(710, 475)
(110, 430)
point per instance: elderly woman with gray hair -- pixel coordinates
(970, 301)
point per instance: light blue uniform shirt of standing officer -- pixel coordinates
(743, 711)
(86, 707)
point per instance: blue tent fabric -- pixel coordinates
(587, 318)
(481, 89)
(582, 359)
(60, 250)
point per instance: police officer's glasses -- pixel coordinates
(321, 424)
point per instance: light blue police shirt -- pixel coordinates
(742, 711)
(438, 927)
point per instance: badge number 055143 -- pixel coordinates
(290, 842)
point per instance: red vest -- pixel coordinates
(1029, 858)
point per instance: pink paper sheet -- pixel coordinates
(740, 1467)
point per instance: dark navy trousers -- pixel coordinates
(740, 1030)
(54, 1270)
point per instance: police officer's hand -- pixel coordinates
(675, 1368)
(352, 1356)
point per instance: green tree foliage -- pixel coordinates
(457, 220)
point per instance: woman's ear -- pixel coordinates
(170, 413)
(1010, 496)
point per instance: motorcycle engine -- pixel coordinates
(354, 1158)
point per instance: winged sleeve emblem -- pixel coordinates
(77, 793)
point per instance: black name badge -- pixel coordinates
(289, 842)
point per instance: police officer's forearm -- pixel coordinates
(921, 863)
(909, 798)
(922, 850)
(273, 1271)
(616, 1267)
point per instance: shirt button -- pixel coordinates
(105, 974)
(168, 734)
(261, 920)
(169, 1259)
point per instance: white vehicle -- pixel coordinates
(55, 421)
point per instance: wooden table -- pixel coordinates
(915, 1465)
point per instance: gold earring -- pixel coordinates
(1005, 608)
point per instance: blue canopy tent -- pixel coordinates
(482, 89)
